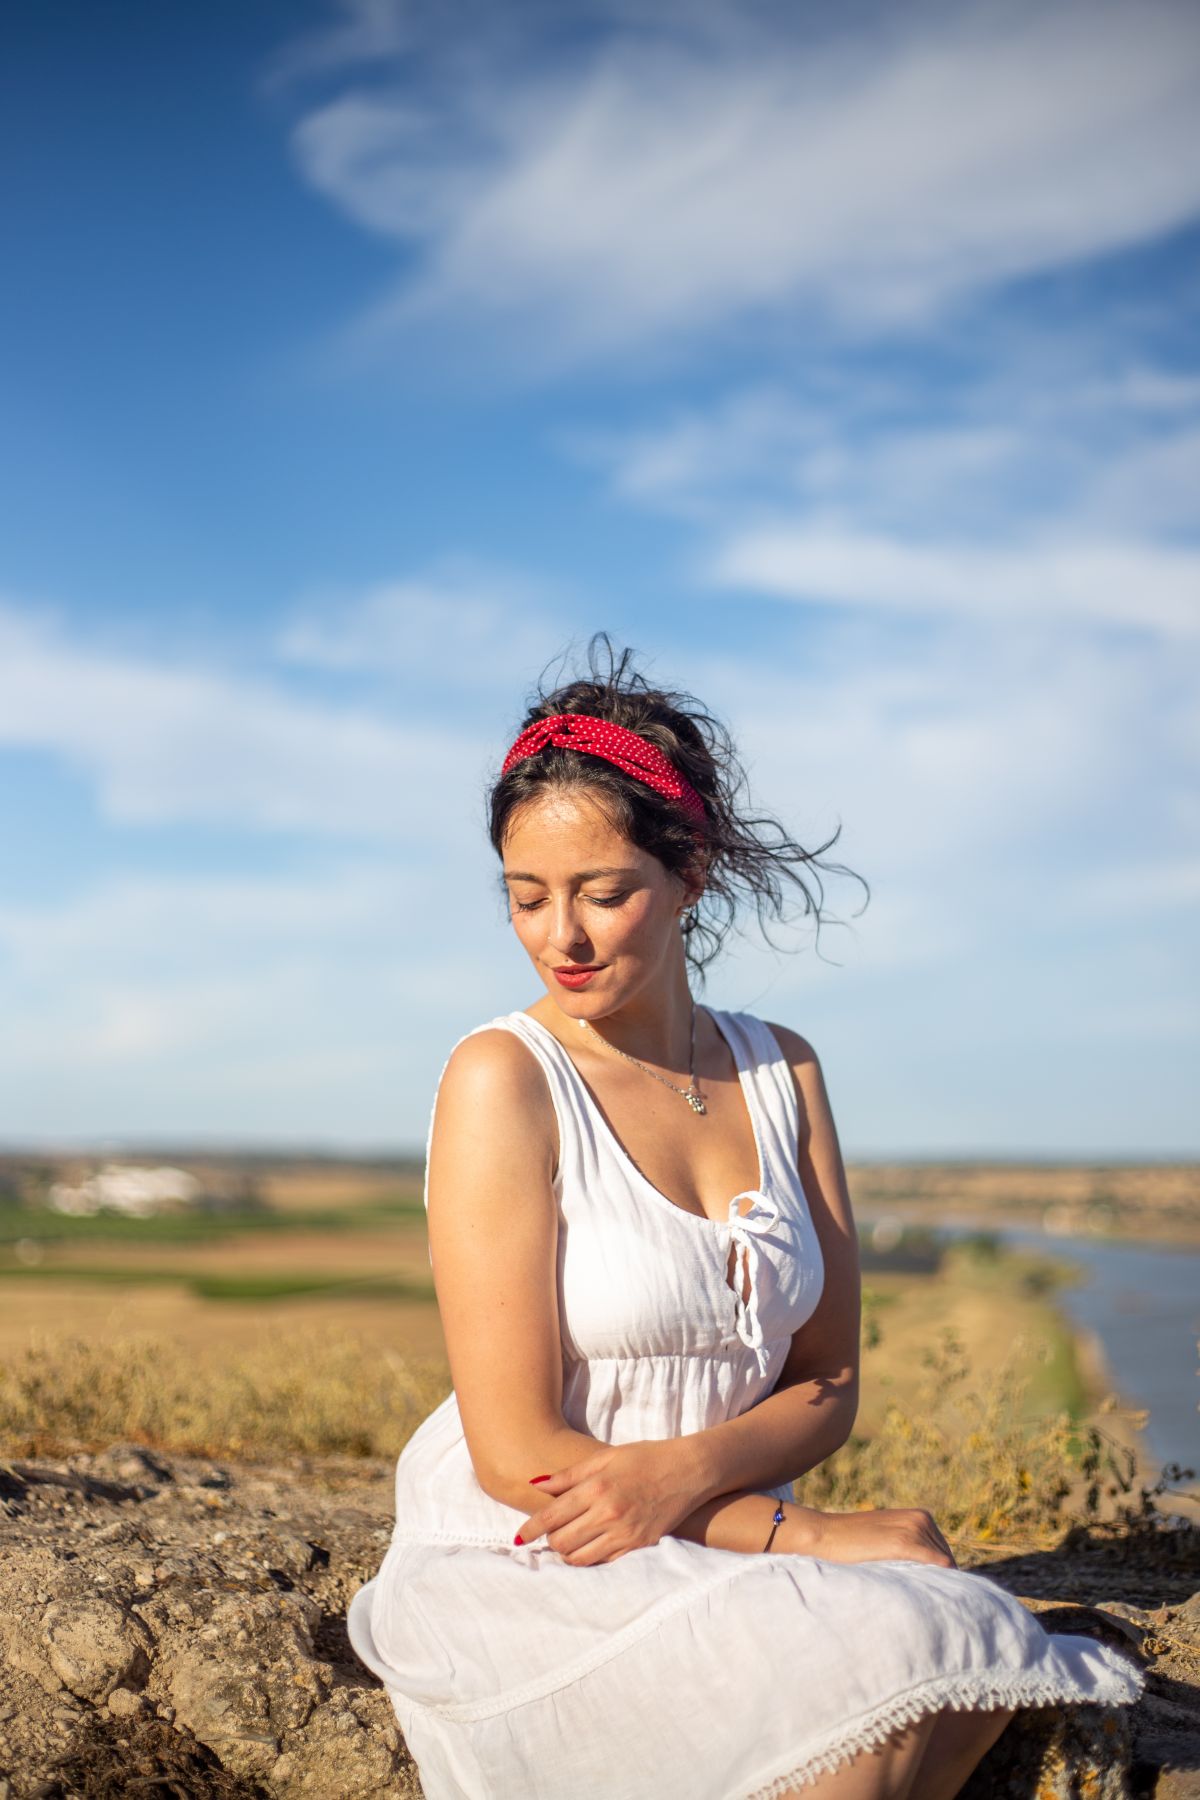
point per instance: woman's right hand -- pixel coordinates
(909, 1533)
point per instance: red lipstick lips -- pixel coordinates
(574, 976)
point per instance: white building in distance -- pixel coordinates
(126, 1188)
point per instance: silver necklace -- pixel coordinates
(691, 1093)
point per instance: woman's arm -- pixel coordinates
(810, 1412)
(493, 1240)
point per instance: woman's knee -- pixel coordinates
(884, 1772)
(956, 1746)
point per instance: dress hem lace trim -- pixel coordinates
(969, 1691)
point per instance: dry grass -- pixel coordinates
(322, 1393)
(103, 1312)
(962, 1445)
(974, 1403)
(966, 1448)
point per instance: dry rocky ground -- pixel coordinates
(171, 1627)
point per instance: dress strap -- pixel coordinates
(774, 1087)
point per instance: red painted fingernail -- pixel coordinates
(518, 1539)
(539, 1478)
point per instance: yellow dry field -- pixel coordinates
(302, 1187)
(982, 1304)
(968, 1374)
(103, 1335)
(106, 1313)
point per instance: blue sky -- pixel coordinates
(359, 358)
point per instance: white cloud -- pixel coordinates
(478, 627)
(1008, 440)
(1138, 585)
(954, 749)
(1155, 485)
(365, 31)
(981, 779)
(156, 923)
(1132, 891)
(991, 786)
(308, 1007)
(163, 743)
(667, 175)
(1011, 496)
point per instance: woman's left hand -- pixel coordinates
(623, 1497)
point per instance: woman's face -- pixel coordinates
(582, 896)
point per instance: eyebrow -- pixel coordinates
(583, 874)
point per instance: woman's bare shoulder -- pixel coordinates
(492, 1064)
(809, 1077)
(495, 1080)
(797, 1049)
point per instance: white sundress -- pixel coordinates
(678, 1671)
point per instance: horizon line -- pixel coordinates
(399, 1154)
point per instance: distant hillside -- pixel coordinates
(1140, 1200)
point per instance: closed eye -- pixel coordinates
(596, 900)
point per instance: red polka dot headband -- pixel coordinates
(600, 737)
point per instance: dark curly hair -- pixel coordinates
(746, 854)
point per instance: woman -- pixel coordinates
(599, 1585)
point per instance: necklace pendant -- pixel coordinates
(696, 1103)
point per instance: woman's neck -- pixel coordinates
(655, 1024)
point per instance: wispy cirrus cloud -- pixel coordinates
(1095, 583)
(365, 32)
(960, 758)
(262, 999)
(163, 741)
(479, 627)
(995, 580)
(1036, 430)
(1016, 495)
(639, 179)
(274, 1003)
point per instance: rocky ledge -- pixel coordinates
(173, 1627)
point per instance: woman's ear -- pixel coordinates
(692, 879)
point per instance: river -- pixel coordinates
(1142, 1303)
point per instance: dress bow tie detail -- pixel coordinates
(762, 1218)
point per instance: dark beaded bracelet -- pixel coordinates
(774, 1528)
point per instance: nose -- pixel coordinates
(567, 931)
